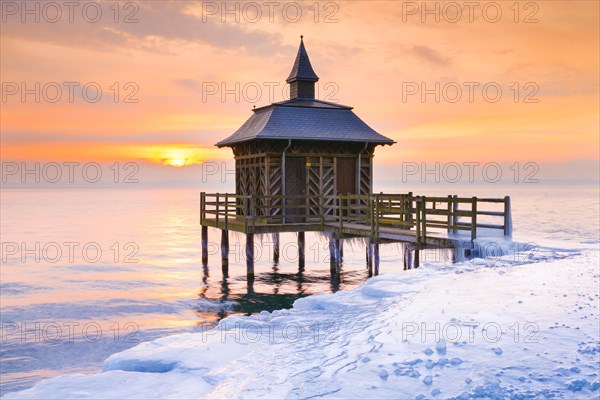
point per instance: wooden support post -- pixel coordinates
(202, 207)
(341, 250)
(376, 257)
(276, 248)
(370, 253)
(417, 257)
(507, 217)
(473, 218)
(225, 252)
(250, 284)
(204, 245)
(334, 253)
(250, 254)
(301, 247)
(407, 257)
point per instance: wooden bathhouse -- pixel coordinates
(303, 147)
(305, 165)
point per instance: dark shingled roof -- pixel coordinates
(302, 70)
(305, 120)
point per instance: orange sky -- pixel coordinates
(368, 57)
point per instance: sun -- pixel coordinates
(178, 156)
(175, 162)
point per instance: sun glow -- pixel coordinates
(177, 156)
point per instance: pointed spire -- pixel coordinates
(302, 70)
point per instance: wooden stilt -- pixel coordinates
(335, 280)
(417, 261)
(333, 253)
(370, 254)
(301, 247)
(250, 284)
(250, 254)
(276, 248)
(341, 250)
(225, 252)
(205, 245)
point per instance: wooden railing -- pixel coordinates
(401, 211)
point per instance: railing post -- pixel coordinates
(449, 207)
(202, 206)
(507, 217)
(226, 210)
(217, 209)
(340, 212)
(473, 218)
(370, 212)
(377, 198)
(424, 219)
(454, 213)
(418, 215)
(410, 209)
(402, 207)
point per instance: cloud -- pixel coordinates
(190, 84)
(208, 136)
(154, 26)
(429, 55)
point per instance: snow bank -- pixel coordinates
(482, 329)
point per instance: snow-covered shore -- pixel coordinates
(508, 327)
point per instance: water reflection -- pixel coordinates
(168, 291)
(271, 290)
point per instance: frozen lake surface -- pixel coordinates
(528, 321)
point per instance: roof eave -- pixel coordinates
(383, 142)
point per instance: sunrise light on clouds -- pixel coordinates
(186, 86)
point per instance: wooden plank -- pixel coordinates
(494, 213)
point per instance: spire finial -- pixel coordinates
(302, 78)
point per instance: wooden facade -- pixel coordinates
(296, 168)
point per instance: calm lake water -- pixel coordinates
(90, 272)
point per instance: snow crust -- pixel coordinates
(515, 326)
